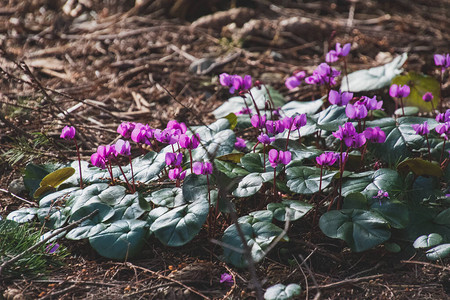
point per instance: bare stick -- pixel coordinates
(55, 233)
(17, 197)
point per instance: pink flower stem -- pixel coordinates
(442, 152)
(275, 184)
(287, 141)
(270, 96)
(190, 156)
(320, 181)
(264, 159)
(299, 136)
(403, 108)
(109, 167)
(126, 179)
(132, 175)
(254, 103)
(429, 150)
(79, 163)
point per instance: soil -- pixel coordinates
(94, 64)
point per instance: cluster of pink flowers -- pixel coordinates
(235, 82)
(443, 128)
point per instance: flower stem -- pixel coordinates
(442, 152)
(254, 103)
(403, 108)
(190, 156)
(126, 179)
(287, 141)
(264, 159)
(132, 175)
(79, 163)
(320, 182)
(428, 144)
(275, 184)
(109, 167)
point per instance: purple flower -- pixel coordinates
(106, 151)
(167, 136)
(189, 142)
(173, 159)
(177, 173)
(443, 129)
(125, 129)
(123, 147)
(68, 133)
(295, 80)
(381, 195)
(339, 98)
(399, 91)
(356, 111)
(342, 157)
(142, 134)
(51, 248)
(276, 112)
(202, 168)
(173, 124)
(299, 121)
(421, 129)
(442, 60)
(333, 55)
(235, 82)
(240, 144)
(349, 135)
(98, 161)
(258, 122)
(244, 111)
(327, 159)
(226, 278)
(323, 74)
(279, 157)
(375, 135)
(427, 97)
(443, 117)
(274, 127)
(265, 139)
(371, 103)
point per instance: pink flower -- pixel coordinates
(295, 80)
(226, 278)
(240, 144)
(177, 174)
(279, 157)
(174, 159)
(68, 133)
(375, 135)
(125, 129)
(334, 55)
(421, 129)
(202, 168)
(327, 159)
(399, 91)
(427, 97)
(189, 142)
(123, 147)
(339, 98)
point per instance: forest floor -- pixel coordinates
(105, 62)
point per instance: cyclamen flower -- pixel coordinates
(235, 82)
(375, 135)
(122, 147)
(339, 98)
(107, 151)
(51, 248)
(371, 103)
(177, 173)
(167, 136)
(295, 80)
(125, 129)
(443, 129)
(265, 139)
(299, 121)
(204, 168)
(349, 135)
(244, 111)
(98, 161)
(279, 157)
(258, 122)
(274, 127)
(381, 195)
(356, 111)
(173, 159)
(68, 133)
(240, 144)
(333, 55)
(189, 142)
(173, 124)
(443, 117)
(327, 159)
(421, 129)
(427, 97)
(142, 134)
(324, 74)
(399, 91)
(442, 60)
(226, 278)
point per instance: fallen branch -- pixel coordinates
(17, 197)
(347, 281)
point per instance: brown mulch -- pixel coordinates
(94, 64)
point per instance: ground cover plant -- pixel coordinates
(364, 165)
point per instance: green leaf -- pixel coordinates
(43, 190)
(298, 151)
(443, 218)
(296, 209)
(180, 225)
(146, 168)
(303, 107)
(105, 212)
(121, 240)
(420, 167)
(392, 247)
(360, 229)
(374, 78)
(168, 197)
(195, 188)
(85, 230)
(34, 175)
(254, 162)
(370, 183)
(23, 215)
(394, 212)
(355, 200)
(306, 180)
(282, 292)
(439, 252)
(407, 111)
(233, 157)
(231, 170)
(258, 237)
(232, 118)
(427, 241)
(216, 144)
(331, 118)
(257, 216)
(419, 85)
(53, 217)
(55, 178)
(251, 184)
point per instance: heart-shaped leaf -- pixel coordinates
(439, 252)
(282, 292)
(420, 167)
(23, 215)
(146, 168)
(295, 209)
(251, 184)
(303, 107)
(180, 225)
(360, 229)
(370, 183)
(231, 170)
(168, 197)
(306, 180)
(427, 241)
(121, 240)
